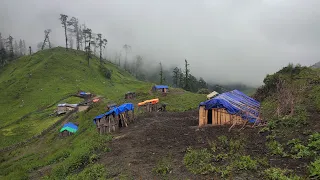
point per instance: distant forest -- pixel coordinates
(80, 37)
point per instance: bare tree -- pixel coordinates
(46, 38)
(64, 19)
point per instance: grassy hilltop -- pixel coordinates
(32, 86)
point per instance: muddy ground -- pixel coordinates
(135, 150)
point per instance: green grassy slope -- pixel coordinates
(32, 86)
(287, 148)
(54, 74)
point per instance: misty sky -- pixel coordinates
(223, 40)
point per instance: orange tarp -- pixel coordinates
(152, 101)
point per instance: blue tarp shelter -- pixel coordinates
(235, 102)
(69, 127)
(160, 87)
(116, 111)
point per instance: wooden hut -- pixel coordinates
(115, 118)
(149, 105)
(64, 108)
(68, 129)
(130, 95)
(85, 95)
(160, 88)
(232, 107)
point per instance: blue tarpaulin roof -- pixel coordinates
(235, 102)
(116, 110)
(70, 125)
(161, 87)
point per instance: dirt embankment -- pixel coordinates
(137, 149)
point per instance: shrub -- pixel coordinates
(223, 140)
(106, 72)
(94, 172)
(275, 147)
(246, 163)
(314, 141)
(314, 169)
(163, 166)
(279, 174)
(198, 161)
(203, 91)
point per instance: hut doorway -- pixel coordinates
(209, 116)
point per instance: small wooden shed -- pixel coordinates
(232, 107)
(130, 95)
(115, 118)
(150, 105)
(160, 88)
(64, 108)
(68, 129)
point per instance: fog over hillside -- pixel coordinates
(224, 41)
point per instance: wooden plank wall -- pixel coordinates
(219, 117)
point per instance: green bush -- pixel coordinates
(246, 163)
(94, 172)
(198, 161)
(223, 140)
(279, 174)
(164, 166)
(314, 169)
(275, 147)
(203, 91)
(314, 141)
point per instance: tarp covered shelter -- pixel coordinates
(162, 88)
(212, 95)
(116, 111)
(69, 127)
(227, 107)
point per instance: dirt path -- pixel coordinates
(135, 150)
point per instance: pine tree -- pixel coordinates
(16, 48)
(186, 73)
(10, 46)
(175, 77)
(1, 42)
(24, 47)
(20, 48)
(161, 74)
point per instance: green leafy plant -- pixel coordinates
(276, 148)
(280, 174)
(223, 140)
(164, 166)
(246, 163)
(198, 161)
(314, 169)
